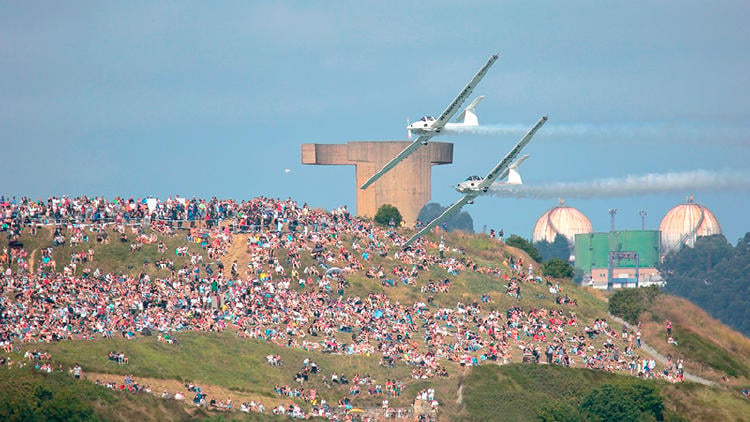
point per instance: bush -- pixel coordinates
(388, 213)
(560, 248)
(29, 396)
(610, 403)
(53, 397)
(635, 402)
(628, 304)
(555, 393)
(557, 268)
(526, 246)
(557, 411)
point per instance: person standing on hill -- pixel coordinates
(77, 371)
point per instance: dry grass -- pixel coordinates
(689, 321)
(684, 313)
(173, 386)
(705, 404)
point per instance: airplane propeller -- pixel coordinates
(408, 131)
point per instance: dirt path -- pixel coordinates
(32, 258)
(173, 386)
(659, 357)
(213, 392)
(237, 250)
(460, 391)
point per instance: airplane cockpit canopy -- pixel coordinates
(473, 178)
(427, 119)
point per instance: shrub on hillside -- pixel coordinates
(555, 393)
(558, 411)
(634, 402)
(628, 304)
(387, 214)
(519, 242)
(54, 397)
(557, 268)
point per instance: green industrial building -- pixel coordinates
(592, 254)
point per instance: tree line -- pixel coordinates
(715, 275)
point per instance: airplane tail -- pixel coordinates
(468, 116)
(514, 177)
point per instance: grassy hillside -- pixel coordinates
(527, 392)
(711, 349)
(227, 366)
(217, 359)
(35, 396)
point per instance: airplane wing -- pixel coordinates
(502, 167)
(463, 95)
(397, 159)
(439, 123)
(453, 209)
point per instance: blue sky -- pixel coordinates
(214, 98)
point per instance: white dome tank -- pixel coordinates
(684, 223)
(563, 220)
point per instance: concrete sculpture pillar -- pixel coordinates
(406, 186)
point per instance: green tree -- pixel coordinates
(558, 411)
(66, 406)
(559, 248)
(714, 275)
(624, 403)
(648, 399)
(519, 242)
(28, 398)
(557, 268)
(388, 214)
(18, 401)
(461, 221)
(628, 304)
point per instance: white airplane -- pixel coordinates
(475, 185)
(467, 118)
(427, 127)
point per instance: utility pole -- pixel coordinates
(612, 213)
(643, 214)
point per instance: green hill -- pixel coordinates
(210, 353)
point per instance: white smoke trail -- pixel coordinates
(690, 181)
(637, 130)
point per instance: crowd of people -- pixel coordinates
(16, 213)
(118, 357)
(274, 299)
